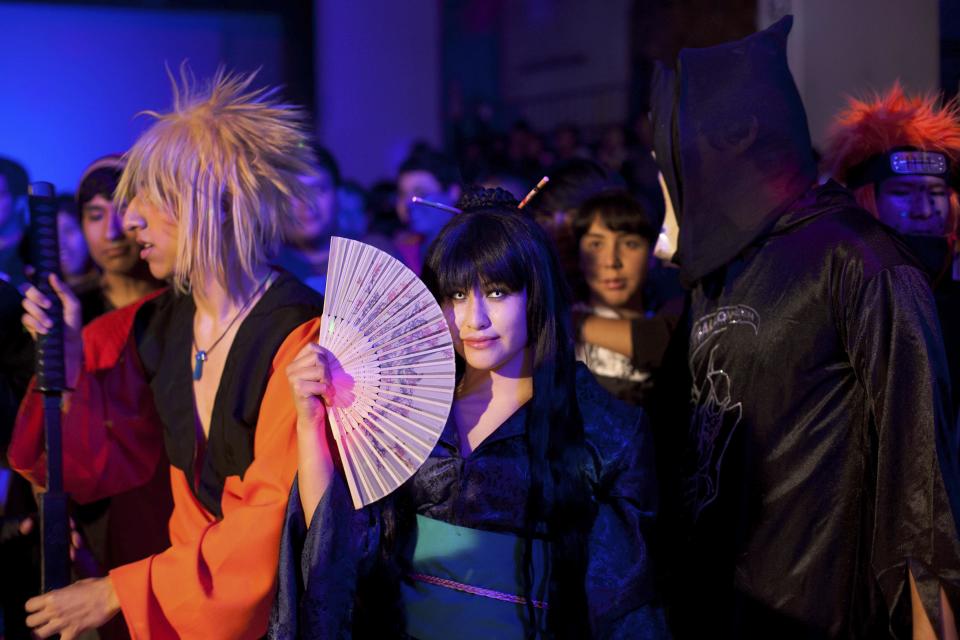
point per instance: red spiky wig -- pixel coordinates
(883, 122)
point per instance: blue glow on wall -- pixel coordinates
(72, 79)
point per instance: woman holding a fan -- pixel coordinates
(529, 516)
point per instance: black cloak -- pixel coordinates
(819, 464)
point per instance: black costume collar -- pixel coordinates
(165, 348)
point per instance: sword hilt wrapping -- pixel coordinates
(45, 255)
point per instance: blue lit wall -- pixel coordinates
(72, 79)
(378, 82)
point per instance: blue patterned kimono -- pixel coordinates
(333, 584)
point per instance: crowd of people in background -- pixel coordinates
(602, 207)
(646, 328)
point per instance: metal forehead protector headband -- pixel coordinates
(899, 162)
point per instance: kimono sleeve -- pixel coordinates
(220, 581)
(893, 338)
(320, 567)
(619, 584)
(112, 435)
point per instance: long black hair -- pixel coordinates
(491, 242)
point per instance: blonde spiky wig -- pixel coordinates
(883, 122)
(225, 164)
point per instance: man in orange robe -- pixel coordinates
(208, 190)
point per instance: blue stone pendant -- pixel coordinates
(198, 367)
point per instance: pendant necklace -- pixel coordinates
(201, 356)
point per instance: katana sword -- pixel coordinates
(45, 255)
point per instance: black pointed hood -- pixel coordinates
(731, 137)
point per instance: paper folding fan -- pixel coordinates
(394, 370)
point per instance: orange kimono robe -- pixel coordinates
(217, 579)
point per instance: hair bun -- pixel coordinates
(480, 199)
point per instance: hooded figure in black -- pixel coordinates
(819, 465)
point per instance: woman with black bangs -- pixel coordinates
(528, 518)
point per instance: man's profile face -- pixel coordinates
(914, 205)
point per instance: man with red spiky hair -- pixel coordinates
(898, 153)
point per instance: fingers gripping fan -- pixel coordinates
(393, 373)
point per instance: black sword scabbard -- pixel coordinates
(45, 255)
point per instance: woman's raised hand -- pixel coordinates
(37, 321)
(310, 379)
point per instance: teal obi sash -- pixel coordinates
(468, 584)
